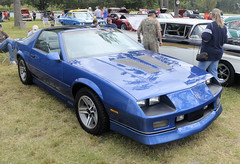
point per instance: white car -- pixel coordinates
(182, 40)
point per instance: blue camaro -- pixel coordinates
(114, 83)
(76, 17)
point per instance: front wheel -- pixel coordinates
(24, 73)
(225, 73)
(90, 112)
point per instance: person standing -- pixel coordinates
(5, 15)
(8, 15)
(6, 44)
(98, 13)
(0, 16)
(105, 13)
(213, 38)
(151, 31)
(34, 15)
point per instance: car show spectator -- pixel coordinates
(1, 16)
(6, 45)
(98, 13)
(34, 15)
(110, 24)
(35, 28)
(95, 23)
(213, 38)
(5, 15)
(151, 31)
(8, 15)
(105, 13)
(90, 10)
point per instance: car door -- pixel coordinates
(46, 70)
(69, 18)
(114, 18)
(195, 40)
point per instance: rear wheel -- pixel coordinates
(90, 112)
(123, 27)
(24, 73)
(225, 73)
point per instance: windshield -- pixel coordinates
(234, 24)
(82, 44)
(82, 15)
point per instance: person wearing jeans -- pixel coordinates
(6, 44)
(213, 38)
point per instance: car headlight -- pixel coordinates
(154, 100)
(142, 103)
(213, 85)
(208, 81)
(150, 101)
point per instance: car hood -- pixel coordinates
(144, 74)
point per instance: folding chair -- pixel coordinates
(4, 55)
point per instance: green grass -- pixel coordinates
(36, 127)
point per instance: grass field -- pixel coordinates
(36, 127)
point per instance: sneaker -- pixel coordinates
(13, 63)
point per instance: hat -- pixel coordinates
(35, 28)
(152, 12)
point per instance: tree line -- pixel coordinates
(228, 6)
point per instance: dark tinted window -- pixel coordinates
(48, 42)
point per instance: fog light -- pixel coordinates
(160, 124)
(180, 118)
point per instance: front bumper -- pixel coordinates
(170, 135)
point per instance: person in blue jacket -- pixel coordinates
(110, 24)
(213, 38)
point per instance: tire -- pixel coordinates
(123, 27)
(90, 112)
(23, 72)
(225, 73)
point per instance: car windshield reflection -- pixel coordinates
(82, 44)
(82, 15)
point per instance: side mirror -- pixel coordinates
(53, 56)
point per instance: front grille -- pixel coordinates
(195, 116)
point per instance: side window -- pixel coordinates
(180, 30)
(69, 15)
(122, 17)
(196, 33)
(112, 15)
(48, 42)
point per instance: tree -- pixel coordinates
(17, 12)
(6, 2)
(39, 4)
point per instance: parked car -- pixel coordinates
(189, 13)
(26, 15)
(78, 17)
(165, 16)
(117, 10)
(113, 83)
(183, 38)
(120, 19)
(233, 24)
